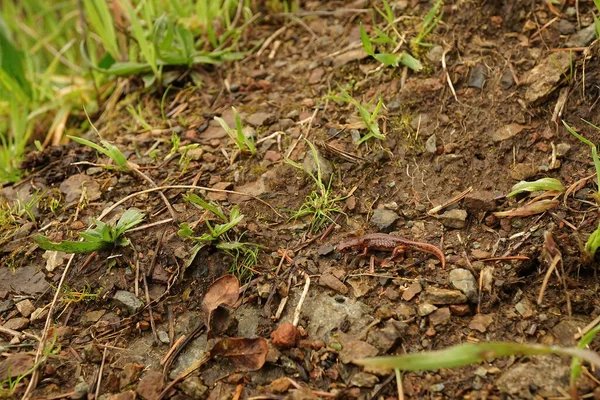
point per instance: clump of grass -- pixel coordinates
(244, 254)
(45, 74)
(431, 20)
(370, 119)
(102, 236)
(320, 204)
(242, 142)
(593, 242)
(391, 40)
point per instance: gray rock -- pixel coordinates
(477, 77)
(565, 27)
(507, 79)
(16, 324)
(525, 308)
(385, 338)
(479, 201)
(425, 309)
(441, 316)
(384, 219)
(463, 280)
(25, 307)
(437, 296)
(481, 322)
(364, 380)
(435, 54)
(73, 187)
(453, 219)
(261, 118)
(163, 337)
(506, 132)
(582, 38)
(437, 387)
(549, 373)
(128, 301)
(194, 388)
(310, 165)
(91, 317)
(81, 390)
(431, 144)
(523, 171)
(562, 149)
(325, 250)
(544, 78)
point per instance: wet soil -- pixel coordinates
(483, 115)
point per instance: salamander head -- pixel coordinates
(348, 245)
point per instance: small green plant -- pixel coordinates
(387, 59)
(576, 362)
(544, 184)
(320, 203)
(176, 147)
(244, 254)
(593, 149)
(102, 236)
(245, 257)
(243, 142)
(109, 150)
(370, 119)
(431, 20)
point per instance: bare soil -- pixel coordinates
(497, 123)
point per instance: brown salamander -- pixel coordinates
(385, 242)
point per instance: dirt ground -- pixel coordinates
(497, 122)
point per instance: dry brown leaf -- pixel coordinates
(245, 354)
(529, 209)
(224, 290)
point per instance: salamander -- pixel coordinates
(385, 242)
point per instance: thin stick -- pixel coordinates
(154, 189)
(100, 373)
(35, 375)
(588, 328)
(445, 70)
(152, 325)
(453, 200)
(301, 301)
(399, 384)
(143, 227)
(12, 332)
(551, 269)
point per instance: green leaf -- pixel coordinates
(197, 200)
(69, 247)
(540, 184)
(128, 220)
(593, 242)
(410, 62)
(364, 38)
(184, 230)
(470, 353)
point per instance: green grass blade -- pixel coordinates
(469, 353)
(366, 41)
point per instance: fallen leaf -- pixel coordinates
(224, 290)
(245, 354)
(529, 209)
